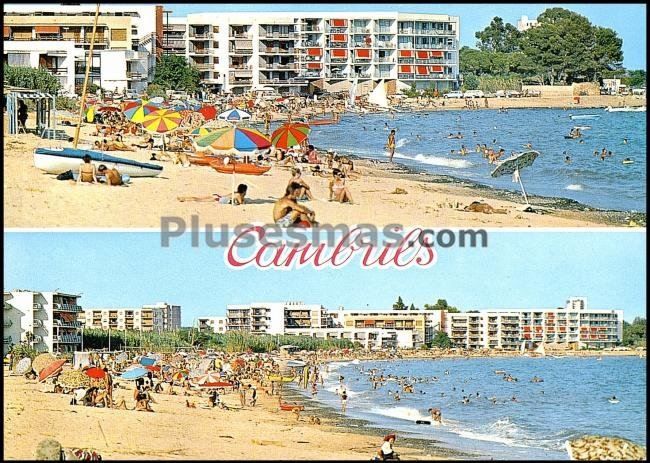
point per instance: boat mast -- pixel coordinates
(88, 66)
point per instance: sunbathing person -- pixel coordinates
(113, 176)
(148, 143)
(296, 176)
(338, 189)
(87, 171)
(238, 198)
(288, 213)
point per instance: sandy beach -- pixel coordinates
(176, 432)
(35, 199)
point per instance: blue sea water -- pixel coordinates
(571, 401)
(607, 184)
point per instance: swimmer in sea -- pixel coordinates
(567, 160)
(625, 141)
(514, 399)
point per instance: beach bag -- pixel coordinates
(67, 175)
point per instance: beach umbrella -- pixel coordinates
(134, 373)
(290, 134)
(209, 112)
(153, 368)
(513, 165)
(95, 373)
(137, 113)
(202, 131)
(162, 121)
(41, 361)
(147, 361)
(121, 357)
(234, 115)
(23, 366)
(179, 376)
(234, 140)
(210, 377)
(52, 369)
(90, 113)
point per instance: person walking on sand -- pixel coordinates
(390, 145)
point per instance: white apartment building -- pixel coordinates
(171, 315)
(46, 320)
(274, 317)
(57, 37)
(523, 24)
(212, 324)
(574, 325)
(237, 52)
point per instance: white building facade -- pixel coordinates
(212, 324)
(238, 52)
(45, 320)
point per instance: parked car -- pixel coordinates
(513, 94)
(474, 94)
(454, 94)
(500, 94)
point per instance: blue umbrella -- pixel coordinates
(134, 373)
(234, 115)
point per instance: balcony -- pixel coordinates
(240, 82)
(387, 45)
(204, 36)
(199, 51)
(67, 339)
(308, 29)
(383, 30)
(62, 324)
(57, 71)
(66, 307)
(361, 30)
(278, 35)
(174, 43)
(135, 75)
(37, 306)
(7, 340)
(338, 45)
(204, 66)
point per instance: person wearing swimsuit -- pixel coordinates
(87, 171)
(338, 190)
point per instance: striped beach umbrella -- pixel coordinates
(202, 131)
(290, 134)
(162, 121)
(234, 115)
(234, 140)
(137, 113)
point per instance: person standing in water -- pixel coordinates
(390, 145)
(344, 400)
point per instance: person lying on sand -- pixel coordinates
(147, 144)
(288, 213)
(238, 198)
(485, 208)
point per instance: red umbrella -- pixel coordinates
(152, 367)
(51, 370)
(209, 112)
(95, 373)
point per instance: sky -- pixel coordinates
(628, 20)
(517, 270)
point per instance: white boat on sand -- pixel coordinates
(59, 160)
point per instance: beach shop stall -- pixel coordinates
(45, 110)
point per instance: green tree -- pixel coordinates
(470, 81)
(498, 37)
(31, 78)
(634, 334)
(412, 307)
(399, 304)
(441, 340)
(154, 90)
(441, 304)
(174, 73)
(635, 79)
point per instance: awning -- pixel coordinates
(436, 68)
(422, 70)
(436, 54)
(369, 322)
(363, 52)
(6, 31)
(406, 69)
(47, 29)
(314, 65)
(31, 95)
(314, 51)
(339, 38)
(339, 23)
(422, 54)
(339, 53)
(406, 53)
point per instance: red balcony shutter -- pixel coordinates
(422, 70)
(339, 53)
(5, 30)
(436, 54)
(436, 68)
(422, 54)
(406, 69)
(314, 51)
(406, 53)
(339, 22)
(339, 38)
(47, 29)
(313, 65)
(363, 53)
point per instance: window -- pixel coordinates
(118, 34)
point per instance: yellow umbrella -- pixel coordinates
(162, 121)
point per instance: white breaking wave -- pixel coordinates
(436, 160)
(574, 187)
(401, 142)
(503, 431)
(401, 413)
